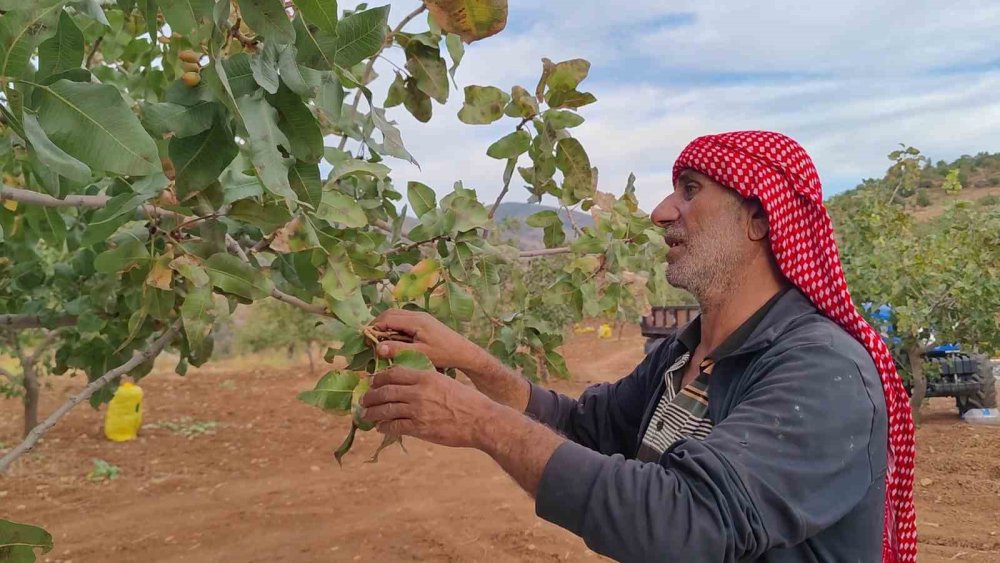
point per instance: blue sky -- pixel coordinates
(849, 80)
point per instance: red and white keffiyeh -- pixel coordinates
(776, 170)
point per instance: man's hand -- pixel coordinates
(429, 406)
(436, 408)
(444, 347)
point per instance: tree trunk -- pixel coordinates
(309, 354)
(30, 397)
(914, 354)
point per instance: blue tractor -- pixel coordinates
(950, 371)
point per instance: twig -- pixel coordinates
(138, 357)
(503, 192)
(371, 62)
(413, 245)
(93, 51)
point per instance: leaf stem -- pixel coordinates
(93, 51)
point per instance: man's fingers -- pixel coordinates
(388, 412)
(399, 320)
(396, 376)
(386, 394)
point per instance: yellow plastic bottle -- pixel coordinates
(124, 416)
(604, 331)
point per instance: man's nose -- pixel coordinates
(665, 213)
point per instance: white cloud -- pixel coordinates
(858, 79)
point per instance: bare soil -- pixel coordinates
(262, 484)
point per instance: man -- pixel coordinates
(772, 428)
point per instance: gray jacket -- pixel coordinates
(793, 470)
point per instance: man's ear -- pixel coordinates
(757, 227)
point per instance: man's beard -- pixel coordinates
(710, 263)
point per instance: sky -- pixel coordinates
(849, 80)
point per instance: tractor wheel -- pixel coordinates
(986, 396)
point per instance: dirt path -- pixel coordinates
(262, 485)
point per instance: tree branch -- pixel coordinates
(20, 322)
(371, 61)
(29, 197)
(545, 252)
(138, 357)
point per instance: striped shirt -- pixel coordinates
(681, 413)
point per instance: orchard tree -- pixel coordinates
(939, 278)
(170, 154)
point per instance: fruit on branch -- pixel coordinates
(191, 79)
(188, 56)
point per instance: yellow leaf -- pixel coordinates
(10, 204)
(471, 20)
(160, 275)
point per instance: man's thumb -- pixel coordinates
(390, 348)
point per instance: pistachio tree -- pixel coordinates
(185, 158)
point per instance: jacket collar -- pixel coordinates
(789, 307)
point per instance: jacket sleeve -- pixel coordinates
(791, 459)
(607, 416)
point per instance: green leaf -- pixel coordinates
(185, 16)
(567, 75)
(345, 446)
(260, 119)
(412, 359)
(267, 217)
(268, 18)
(22, 28)
(200, 159)
(359, 36)
(417, 102)
(569, 98)
(291, 73)
(63, 51)
(182, 121)
(321, 13)
(313, 47)
(330, 96)
(92, 123)
(522, 104)
(48, 223)
(397, 91)
(198, 315)
(232, 275)
(332, 392)
(428, 69)
(460, 303)
(456, 50)
(188, 267)
(105, 221)
(305, 181)
(239, 75)
(337, 207)
(353, 311)
(298, 124)
(19, 541)
(392, 141)
(543, 219)
(561, 119)
(264, 67)
(421, 197)
(149, 10)
(236, 185)
(357, 167)
(50, 155)
(471, 19)
(572, 160)
(127, 255)
(510, 146)
(339, 281)
(483, 105)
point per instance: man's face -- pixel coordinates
(705, 225)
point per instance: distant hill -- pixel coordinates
(979, 176)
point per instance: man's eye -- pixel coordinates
(689, 190)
